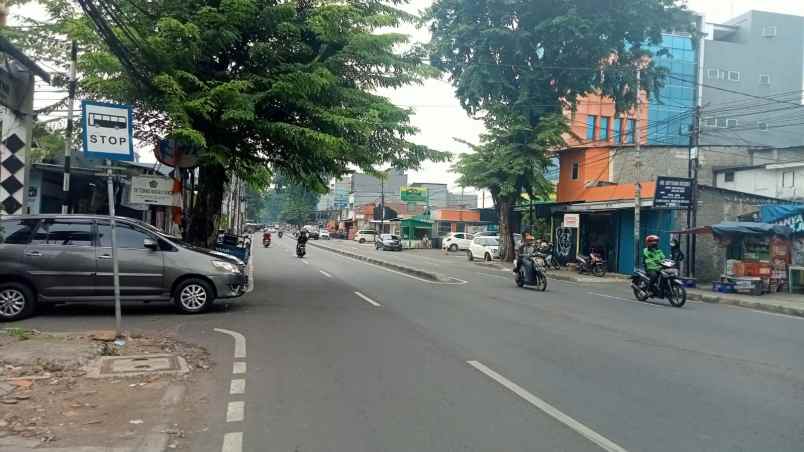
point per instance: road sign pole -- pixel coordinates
(118, 320)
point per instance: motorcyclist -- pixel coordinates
(266, 236)
(653, 258)
(280, 233)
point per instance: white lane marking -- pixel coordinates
(325, 273)
(240, 342)
(548, 409)
(239, 368)
(235, 411)
(232, 442)
(368, 300)
(642, 303)
(237, 386)
(459, 283)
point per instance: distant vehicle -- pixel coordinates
(457, 241)
(388, 242)
(486, 248)
(323, 234)
(365, 235)
(68, 258)
(517, 237)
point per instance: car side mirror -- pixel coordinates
(150, 244)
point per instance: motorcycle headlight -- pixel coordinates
(225, 266)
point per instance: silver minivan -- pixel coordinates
(68, 258)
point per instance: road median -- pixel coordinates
(412, 271)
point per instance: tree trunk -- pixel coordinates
(504, 210)
(211, 183)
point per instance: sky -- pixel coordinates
(438, 114)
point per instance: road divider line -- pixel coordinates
(237, 386)
(232, 442)
(235, 411)
(325, 273)
(549, 409)
(368, 300)
(239, 368)
(305, 262)
(612, 297)
(240, 342)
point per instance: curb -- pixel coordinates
(563, 277)
(756, 305)
(430, 276)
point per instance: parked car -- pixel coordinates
(323, 234)
(365, 235)
(68, 258)
(457, 241)
(486, 248)
(388, 242)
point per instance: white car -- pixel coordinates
(457, 241)
(365, 235)
(486, 248)
(323, 234)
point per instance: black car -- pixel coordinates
(388, 242)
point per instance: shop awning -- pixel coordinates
(740, 229)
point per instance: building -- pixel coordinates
(437, 194)
(367, 189)
(760, 54)
(462, 200)
(776, 180)
(338, 196)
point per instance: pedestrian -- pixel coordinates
(675, 252)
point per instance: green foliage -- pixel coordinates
(47, 144)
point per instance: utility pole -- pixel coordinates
(68, 142)
(696, 133)
(637, 165)
(382, 205)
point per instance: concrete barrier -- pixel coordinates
(419, 273)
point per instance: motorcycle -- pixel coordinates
(527, 272)
(593, 264)
(266, 240)
(547, 256)
(668, 285)
(280, 234)
(301, 250)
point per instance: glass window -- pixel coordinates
(591, 124)
(729, 176)
(17, 232)
(629, 131)
(64, 232)
(764, 79)
(722, 123)
(732, 123)
(788, 179)
(734, 76)
(604, 128)
(576, 170)
(618, 130)
(711, 74)
(127, 237)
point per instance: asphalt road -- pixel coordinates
(482, 365)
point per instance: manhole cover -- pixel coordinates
(127, 366)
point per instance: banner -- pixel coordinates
(413, 194)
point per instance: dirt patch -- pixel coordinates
(45, 394)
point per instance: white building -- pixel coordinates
(775, 180)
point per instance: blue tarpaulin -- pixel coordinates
(740, 229)
(774, 213)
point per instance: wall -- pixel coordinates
(669, 116)
(466, 200)
(456, 215)
(437, 194)
(752, 54)
(368, 189)
(765, 182)
(593, 164)
(601, 107)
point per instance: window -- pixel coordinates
(732, 123)
(710, 122)
(769, 32)
(729, 176)
(576, 171)
(591, 124)
(17, 232)
(630, 133)
(722, 123)
(127, 237)
(64, 232)
(711, 74)
(788, 179)
(762, 126)
(734, 76)
(764, 79)
(444, 228)
(721, 75)
(604, 128)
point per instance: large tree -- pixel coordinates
(530, 60)
(279, 84)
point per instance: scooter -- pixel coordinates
(266, 240)
(593, 264)
(668, 285)
(547, 255)
(301, 250)
(529, 273)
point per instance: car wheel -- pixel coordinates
(453, 247)
(488, 257)
(193, 296)
(17, 301)
(469, 256)
(361, 241)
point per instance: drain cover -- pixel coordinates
(136, 365)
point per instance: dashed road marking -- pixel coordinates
(368, 300)
(240, 342)
(235, 411)
(642, 303)
(232, 442)
(239, 368)
(305, 262)
(325, 273)
(237, 386)
(548, 409)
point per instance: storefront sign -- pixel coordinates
(413, 194)
(572, 220)
(673, 193)
(796, 222)
(152, 190)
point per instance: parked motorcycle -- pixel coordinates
(301, 250)
(668, 285)
(547, 256)
(593, 264)
(528, 272)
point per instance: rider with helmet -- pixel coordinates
(653, 258)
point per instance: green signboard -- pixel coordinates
(413, 194)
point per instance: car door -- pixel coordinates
(141, 269)
(61, 257)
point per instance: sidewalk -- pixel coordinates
(782, 303)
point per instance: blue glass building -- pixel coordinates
(671, 112)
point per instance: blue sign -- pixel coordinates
(108, 131)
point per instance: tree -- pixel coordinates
(510, 161)
(522, 63)
(284, 85)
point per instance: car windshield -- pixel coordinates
(390, 237)
(487, 241)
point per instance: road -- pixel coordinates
(347, 356)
